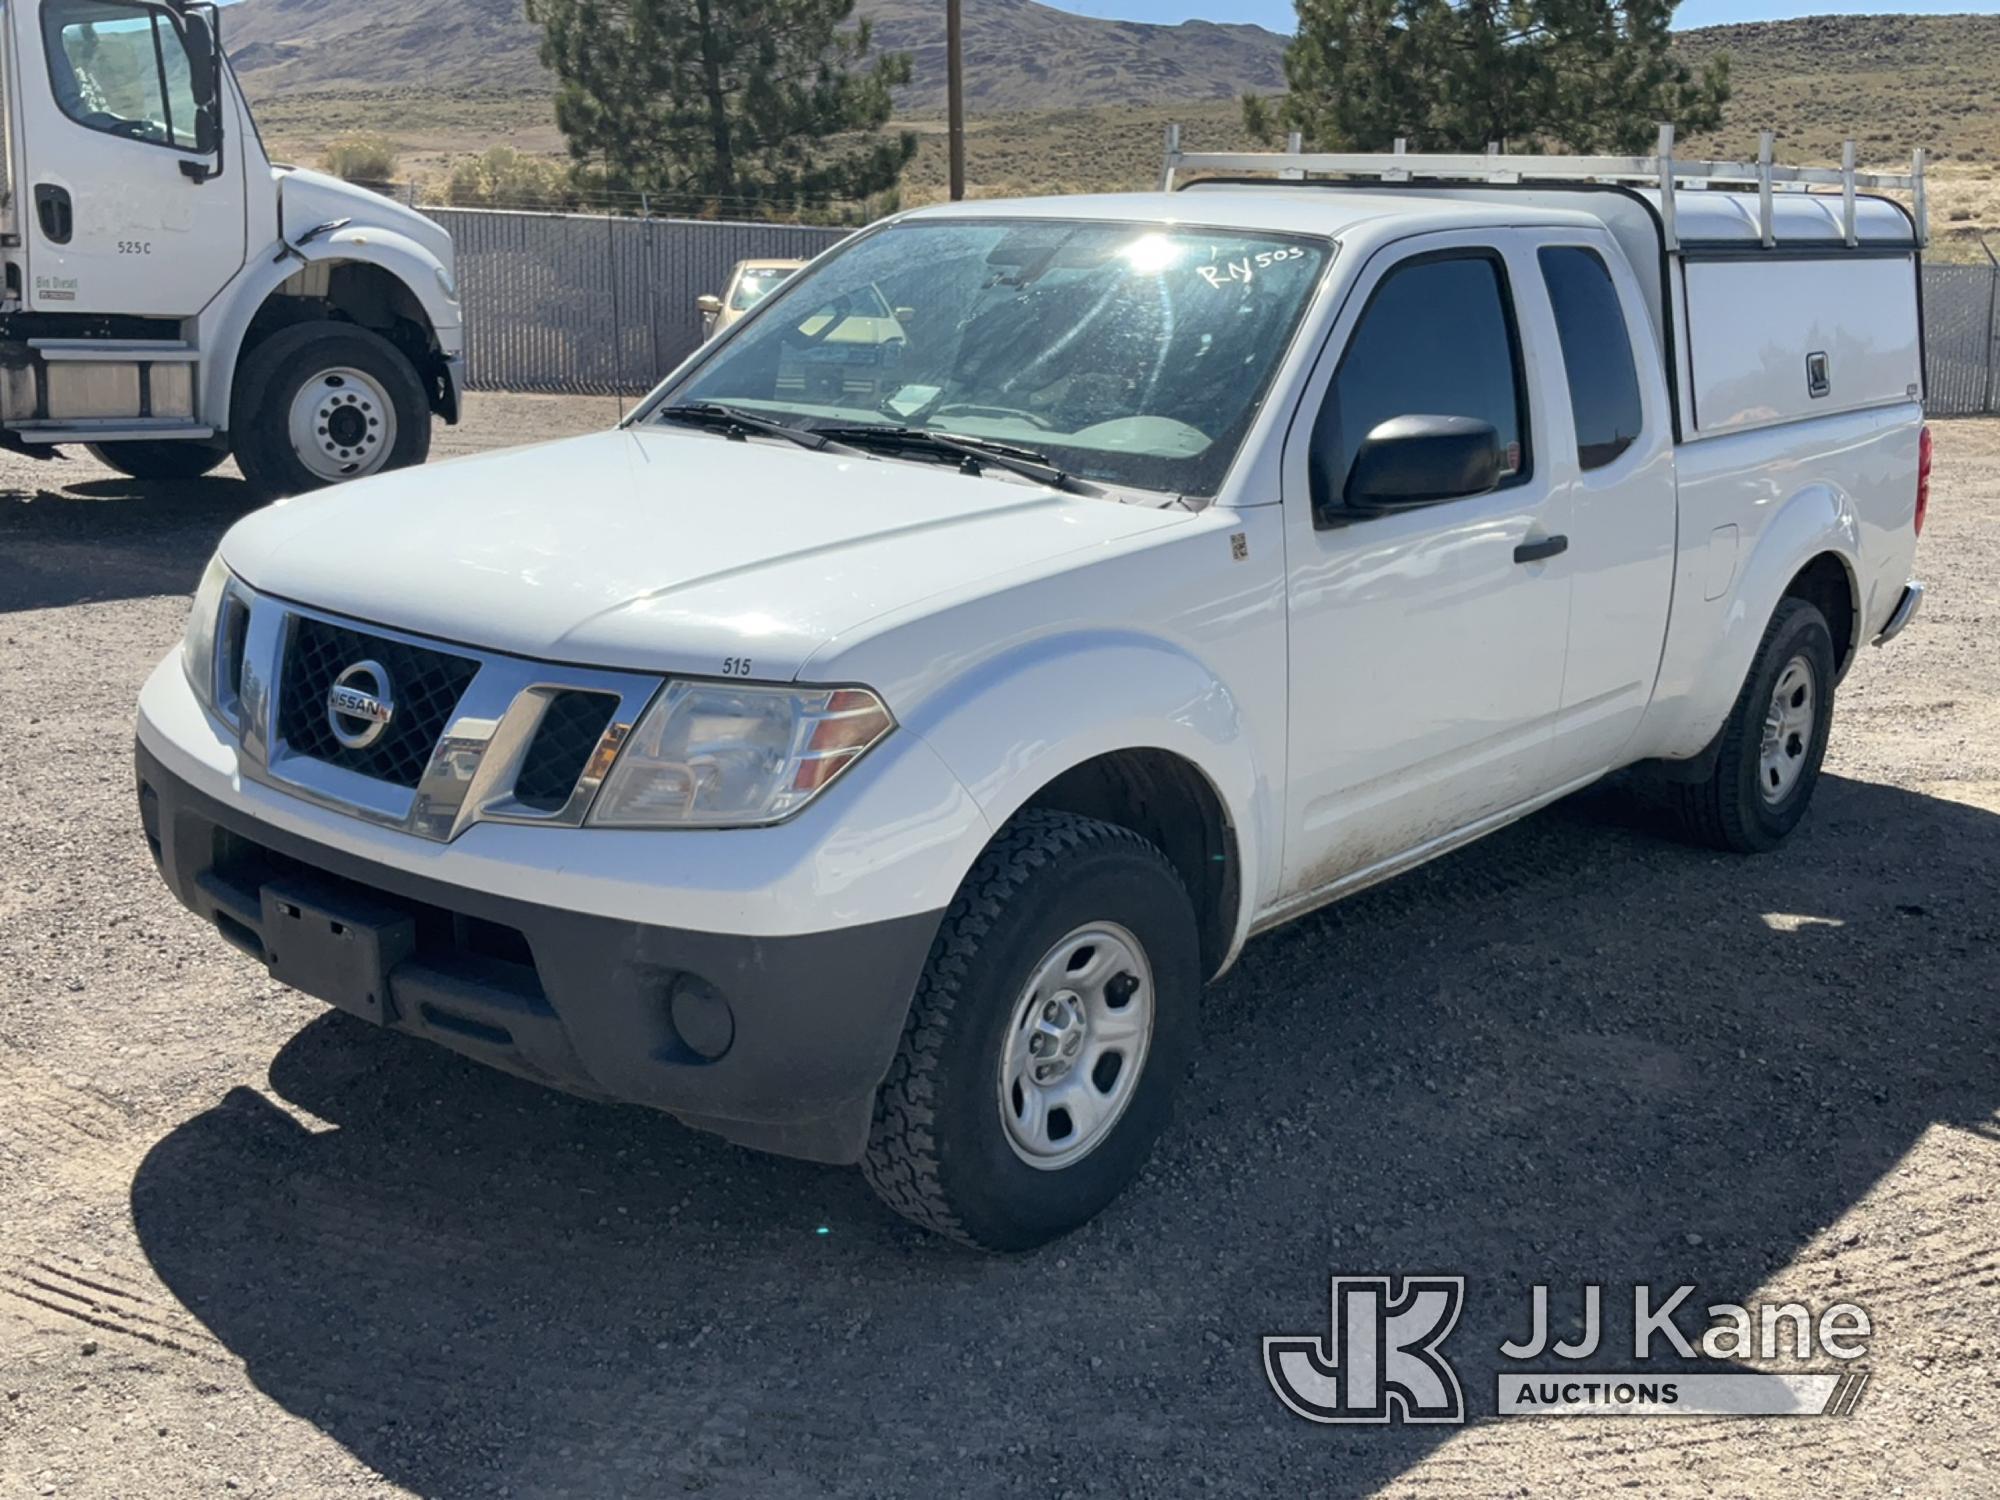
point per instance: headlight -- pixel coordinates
(198, 640)
(710, 755)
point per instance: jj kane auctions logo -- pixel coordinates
(1381, 1359)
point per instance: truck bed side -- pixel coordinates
(1757, 509)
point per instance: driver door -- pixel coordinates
(1427, 641)
(124, 209)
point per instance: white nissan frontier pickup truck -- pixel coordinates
(867, 750)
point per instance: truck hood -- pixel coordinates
(309, 198)
(662, 551)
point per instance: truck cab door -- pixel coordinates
(1613, 454)
(131, 203)
(1427, 642)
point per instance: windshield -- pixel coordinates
(756, 284)
(1133, 355)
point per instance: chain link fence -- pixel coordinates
(596, 305)
(605, 305)
(1962, 339)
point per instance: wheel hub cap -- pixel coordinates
(1076, 1049)
(1789, 726)
(342, 424)
(1056, 1039)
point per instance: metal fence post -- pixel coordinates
(1992, 328)
(648, 270)
(617, 316)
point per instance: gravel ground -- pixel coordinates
(247, 1244)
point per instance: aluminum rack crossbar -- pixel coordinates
(1663, 171)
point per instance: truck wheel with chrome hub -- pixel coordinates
(323, 403)
(1767, 761)
(1047, 1038)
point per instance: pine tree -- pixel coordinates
(738, 105)
(1457, 75)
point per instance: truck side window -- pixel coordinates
(121, 69)
(1597, 352)
(1437, 339)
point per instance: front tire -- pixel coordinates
(1767, 762)
(1048, 1036)
(159, 460)
(326, 402)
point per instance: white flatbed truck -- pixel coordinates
(172, 298)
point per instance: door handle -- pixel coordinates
(1542, 551)
(53, 210)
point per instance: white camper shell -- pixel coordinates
(1786, 303)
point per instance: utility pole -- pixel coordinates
(954, 43)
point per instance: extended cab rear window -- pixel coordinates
(1597, 353)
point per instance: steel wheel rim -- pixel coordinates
(1790, 724)
(1076, 1046)
(343, 424)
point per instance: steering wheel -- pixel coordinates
(135, 130)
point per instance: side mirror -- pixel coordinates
(1421, 460)
(710, 306)
(202, 72)
(200, 29)
(207, 127)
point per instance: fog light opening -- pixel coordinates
(701, 1017)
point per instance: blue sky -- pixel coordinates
(1277, 14)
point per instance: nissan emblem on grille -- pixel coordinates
(360, 705)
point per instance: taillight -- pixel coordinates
(1923, 478)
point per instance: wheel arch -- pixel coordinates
(373, 278)
(1153, 742)
(1829, 583)
(1808, 549)
(1170, 802)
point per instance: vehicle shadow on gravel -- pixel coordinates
(110, 537)
(1575, 1053)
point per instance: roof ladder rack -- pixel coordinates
(1671, 175)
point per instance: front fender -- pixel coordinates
(1712, 645)
(402, 257)
(1012, 725)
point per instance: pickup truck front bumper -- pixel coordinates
(775, 1042)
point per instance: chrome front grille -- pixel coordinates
(468, 736)
(571, 730)
(428, 687)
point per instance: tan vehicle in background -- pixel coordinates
(749, 284)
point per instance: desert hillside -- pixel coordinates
(1021, 55)
(1064, 102)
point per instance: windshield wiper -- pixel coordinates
(734, 422)
(972, 453)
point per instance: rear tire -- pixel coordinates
(1069, 954)
(1768, 760)
(159, 460)
(322, 403)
